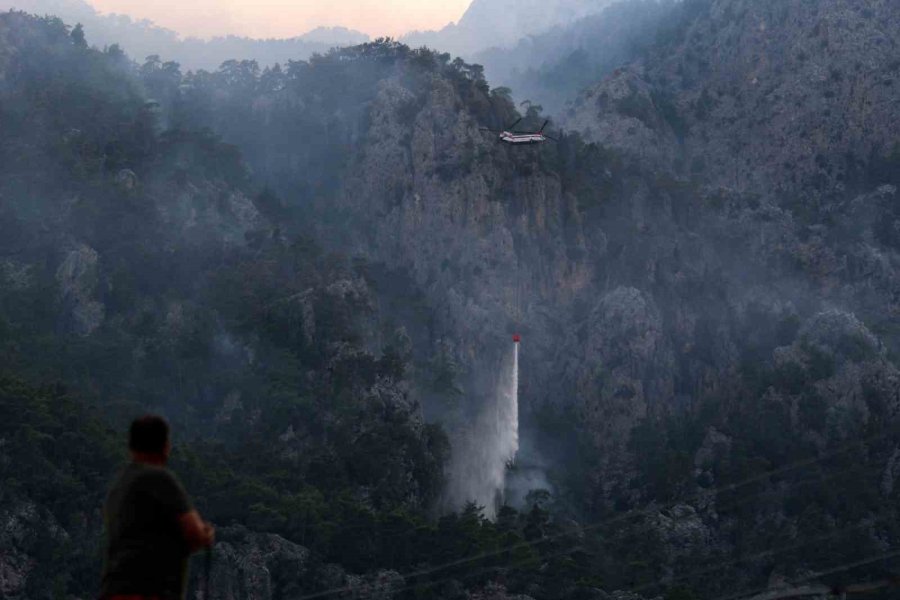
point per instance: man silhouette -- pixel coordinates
(151, 527)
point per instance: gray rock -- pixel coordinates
(382, 585)
(683, 531)
(627, 366)
(210, 211)
(16, 275)
(248, 566)
(622, 113)
(78, 277)
(20, 525)
(495, 591)
(127, 180)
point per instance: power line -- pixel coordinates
(470, 575)
(776, 551)
(794, 592)
(648, 510)
(764, 554)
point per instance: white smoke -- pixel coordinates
(483, 451)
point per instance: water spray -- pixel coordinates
(484, 453)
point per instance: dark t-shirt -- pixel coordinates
(146, 552)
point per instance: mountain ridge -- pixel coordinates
(143, 38)
(501, 23)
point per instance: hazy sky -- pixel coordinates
(286, 18)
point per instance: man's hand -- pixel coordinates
(197, 532)
(210, 534)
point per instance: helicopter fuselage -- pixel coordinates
(518, 139)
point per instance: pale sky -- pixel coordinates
(287, 18)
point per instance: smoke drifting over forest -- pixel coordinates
(314, 269)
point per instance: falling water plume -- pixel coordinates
(484, 451)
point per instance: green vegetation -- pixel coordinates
(215, 310)
(59, 456)
(147, 268)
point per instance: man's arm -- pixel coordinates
(174, 500)
(197, 533)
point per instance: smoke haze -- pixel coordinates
(311, 269)
(283, 18)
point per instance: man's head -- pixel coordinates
(148, 439)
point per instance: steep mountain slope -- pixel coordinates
(778, 98)
(140, 270)
(778, 294)
(397, 170)
(684, 336)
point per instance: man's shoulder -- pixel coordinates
(159, 483)
(143, 474)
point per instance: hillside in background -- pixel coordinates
(501, 24)
(550, 68)
(315, 269)
(141, 39)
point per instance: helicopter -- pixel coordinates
(516, 138)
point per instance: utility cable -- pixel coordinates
(766, 594)
(648, 510)
(765, 554)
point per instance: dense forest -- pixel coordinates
(145, 269)
(304, 266)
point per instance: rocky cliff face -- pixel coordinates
(767, 280)
(780, 101)
(727, 253)
(692, 327)
(485, 231)
(645, 283)
(769, 97)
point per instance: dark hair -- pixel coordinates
(148, 434)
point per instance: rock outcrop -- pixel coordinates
(78, 278)
(625, 112)
(255, 566)
(488, 234)
(248, 565)
(625, 369)
(26, 529)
